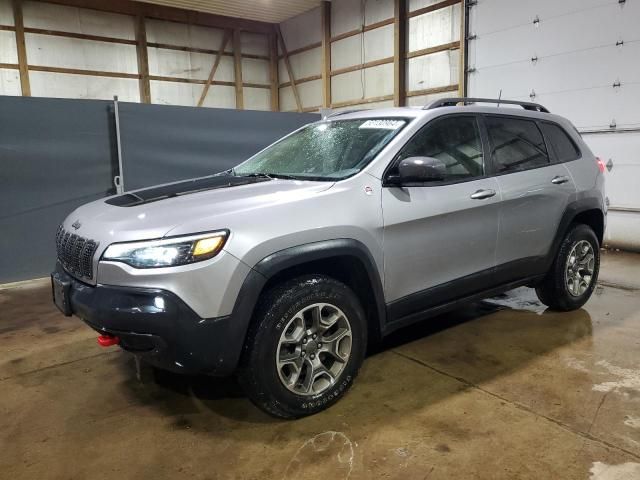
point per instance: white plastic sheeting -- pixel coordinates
(10, 82)
(431, 71)
(183, 35)
(65, 52)
(8, 52)
(192, 65)
(362, 84)
(188, 94)
(62, 85)
(6, 13)
(434, 28)
(299, 32)
(49, 16)
(568, 56)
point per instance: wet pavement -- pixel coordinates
(501, 389)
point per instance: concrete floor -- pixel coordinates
(496, 390)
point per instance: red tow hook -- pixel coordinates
(108, 340)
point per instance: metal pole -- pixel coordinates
(118, 180)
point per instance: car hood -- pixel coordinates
(154, 213)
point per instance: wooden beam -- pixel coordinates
(23, 64)
(310, 78)
(437, 48)
(78, 71)
(13, 66)
(81, 36)
(161, 12)
(326, 53)
(143, 61)
(366, 28)
(216, 63)
(287, 64)
(237, 63)
(432, 8)
(431, 91)
(306, 48)
(353, 68)
(7, 28)
(362, 101)
(273, 72)
(399, 51)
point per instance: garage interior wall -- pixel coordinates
(342, 54)
(538, 51)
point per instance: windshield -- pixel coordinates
(330, 150)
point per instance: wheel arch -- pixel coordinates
(588, 211)
(347, 260)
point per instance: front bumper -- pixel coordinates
(157, 325)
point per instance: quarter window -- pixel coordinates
(455, 141)
(516, 144)
(563, 147)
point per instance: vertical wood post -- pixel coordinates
(464, 27)
(326, 53)
(23, 65)
(143, 61)
(273, 68)
(399, 52)
(237, 60)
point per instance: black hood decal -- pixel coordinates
(154, 194)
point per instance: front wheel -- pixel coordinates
(305, 347)
(573, 275)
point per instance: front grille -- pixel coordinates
(75, 253)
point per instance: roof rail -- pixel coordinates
(453, 101)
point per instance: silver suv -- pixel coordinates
(283, 269)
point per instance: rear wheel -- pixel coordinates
(305, 346)
(573, 275)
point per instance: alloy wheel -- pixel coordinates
(313, 349)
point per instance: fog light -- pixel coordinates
(159, 303)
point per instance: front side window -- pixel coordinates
(516, 144)
(455, 141)
(563, 147)
(330, 150)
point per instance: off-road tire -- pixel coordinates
(258, 373)
(553, 290)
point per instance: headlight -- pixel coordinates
(167, 252)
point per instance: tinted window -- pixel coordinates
(561, 144)
(516, 144)
(455, 141)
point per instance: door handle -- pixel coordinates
(558, 180)
(482, 194)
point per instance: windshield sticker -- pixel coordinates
(383, 124)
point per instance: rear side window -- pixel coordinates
(564, 148)
(516, 144)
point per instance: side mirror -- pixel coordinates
(419, 170)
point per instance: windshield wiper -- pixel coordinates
(270, 176)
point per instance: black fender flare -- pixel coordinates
(572, 210)
(277, 262)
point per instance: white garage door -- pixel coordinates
(580, 59)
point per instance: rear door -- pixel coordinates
(440, 236)
(535, 188)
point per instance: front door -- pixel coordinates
(440, 237)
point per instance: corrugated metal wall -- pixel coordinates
(581, 59)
